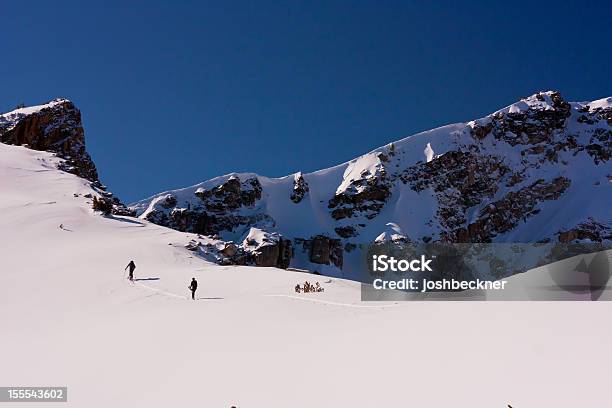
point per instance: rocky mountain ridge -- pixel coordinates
(536, 171)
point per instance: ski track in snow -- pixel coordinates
(304, 299)
(161, 292)
(331, 303)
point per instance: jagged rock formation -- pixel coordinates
(322, 250)
(230, 195)
(505, 214)
(535, 171)
(216, 209)
(590, 230)
(300, 188)
(267, 249)
(363, 194)
(56, 127)
(460, 180)
(259, 248)
(535, 122)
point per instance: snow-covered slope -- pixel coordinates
(536, 171)
(69, 317)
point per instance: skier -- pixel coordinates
(132, 266)
(192, 287)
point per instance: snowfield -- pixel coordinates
(69, 317)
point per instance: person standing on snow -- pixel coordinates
(192, 287)
(132, 266)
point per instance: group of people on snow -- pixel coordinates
(308, 287)
(193, 286)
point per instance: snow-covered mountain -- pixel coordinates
(536, 171)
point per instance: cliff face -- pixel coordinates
(53, 127)
(56, 127)
(536, 171)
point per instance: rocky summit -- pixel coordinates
(535, 171)
(56, 127)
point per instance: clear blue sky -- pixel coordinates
(173, 93)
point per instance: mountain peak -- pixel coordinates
(55, 127)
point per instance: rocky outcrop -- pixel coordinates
(589, 231)
(213, 210)
(259, 248)
(460, 180)
(322, 250)
(593, 114)
(365, 196)
(346, 231)
(505, 214)
(540, 123)
(230, 195)
(300, 188)
(600, 145)
(267, 249)
(530, 122)
(56, 127)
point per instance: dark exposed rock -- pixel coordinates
(285, 253)
(230, 250)
(505, 214)
(56, 128)
(365, 196)
(589, 230)
(460, 180)
(231, 195)
(200, 221)
(323, 250)
(532, 125)
(107, 204)
(102, 204)
(267, 249)
(600, 145)
(300, 188)
(346, 232)
(593, 115)
(169, 201)
(277, 254)
(215, 211)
